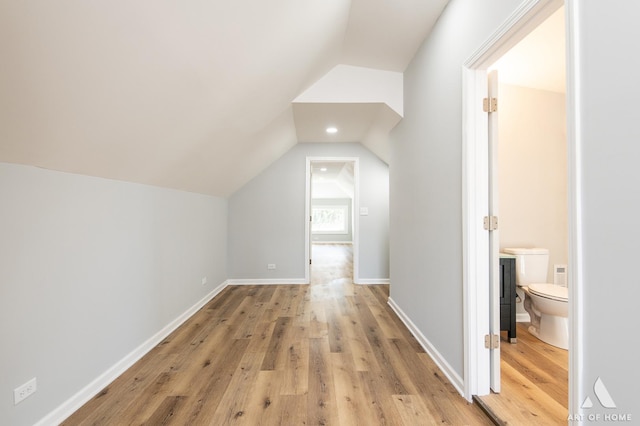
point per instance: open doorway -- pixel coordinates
(479, 325)
(528, 193)
(331, 203)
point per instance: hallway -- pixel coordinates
(331, 353)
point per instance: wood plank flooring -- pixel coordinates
(330, 353)
(534, 382)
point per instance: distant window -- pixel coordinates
(330, 220)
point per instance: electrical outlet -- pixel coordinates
(271, 266)
(21, 392)
(204, 280)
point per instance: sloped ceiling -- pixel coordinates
(194, 95)
(332, 178)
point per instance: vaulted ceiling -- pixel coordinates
(195, 95)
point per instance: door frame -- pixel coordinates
(475, 187)
(355, 216)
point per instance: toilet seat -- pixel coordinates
(550, 291)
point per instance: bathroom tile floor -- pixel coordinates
(534, 382)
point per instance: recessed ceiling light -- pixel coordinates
(323, 169)
(332, 130)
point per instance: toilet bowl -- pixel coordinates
(547, 304)
(548, 307)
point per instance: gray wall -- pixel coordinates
(348, 237)
(532, 174)
(89, 270)
(426, 176)
(609, 143)
(267, 216)
(532, 171)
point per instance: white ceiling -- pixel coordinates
(193, 95)
(330, 170)
(332, 179)
(353, 121)
(538, 61)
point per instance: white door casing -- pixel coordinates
(355, 209)
(476, 191)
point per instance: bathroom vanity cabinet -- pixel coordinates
(508, 296)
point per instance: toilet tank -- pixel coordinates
(531, 264)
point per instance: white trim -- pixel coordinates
(319, 242)
(356, 219)
(284, 281)
(518, 25)
(475, 242)
(474, 191)
(355, 216)
(72, 404)
(574, 154)
(266, 281)
(523, 317)
(440, 360)
(307, 222)
(371, 281)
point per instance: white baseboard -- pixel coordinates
(264, 281)
(372, 281)
(269, 281)
(523, 317)
(444, 366)
(333, 242)
(71, 405)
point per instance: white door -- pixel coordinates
(494, 240)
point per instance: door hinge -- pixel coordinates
(490, 104)
(490, 223)
(491, 341)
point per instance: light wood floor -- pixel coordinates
(331, 353)
(534, 382)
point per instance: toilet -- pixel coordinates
(547, 304)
